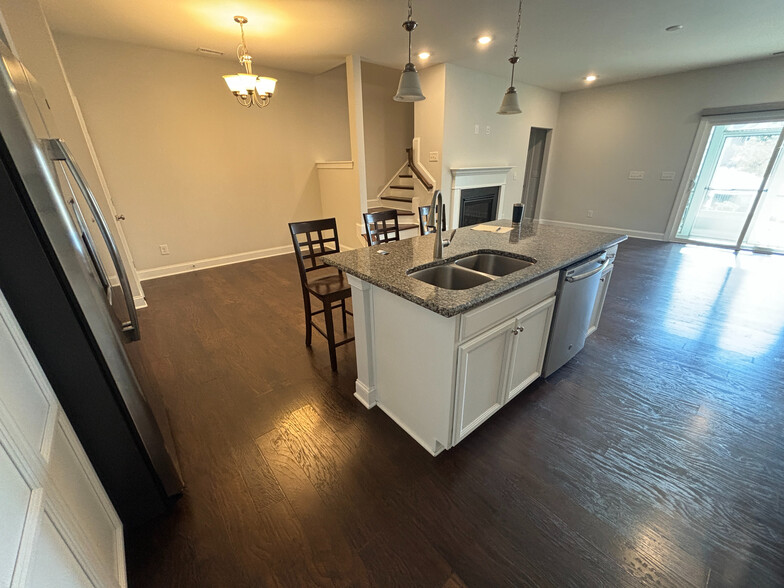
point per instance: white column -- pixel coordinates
(362, 303)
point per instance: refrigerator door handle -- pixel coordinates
(90, 244)
(57, 150)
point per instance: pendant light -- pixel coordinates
(510, 104)
(409, 89)
(249, 88)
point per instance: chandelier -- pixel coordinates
(247, 87)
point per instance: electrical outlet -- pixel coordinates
(476, 129)
(636, 175)
(515, 176)
(589, 213)
(433, 156)
(667, 176)
(487, 130)
(164, 249)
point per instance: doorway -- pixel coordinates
(534, 170)
(735, 195)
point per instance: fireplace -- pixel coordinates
(477, 195)
(478, 205)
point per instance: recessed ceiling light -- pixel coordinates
(673, 28)
(484, 40)
(591, 78)
(424, 55)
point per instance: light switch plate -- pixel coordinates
(476, 129)
(636, 175)
(487, 130)
(433, 156)
(667, 176)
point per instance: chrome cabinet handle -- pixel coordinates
(57, 150)
(518, 330)
(119, 217)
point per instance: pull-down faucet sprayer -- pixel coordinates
(435, 221)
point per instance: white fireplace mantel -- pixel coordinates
(466, 178)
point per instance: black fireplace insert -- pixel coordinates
(478, 205)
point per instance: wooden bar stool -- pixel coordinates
(381, 227)
(318, 279)
(423, 212)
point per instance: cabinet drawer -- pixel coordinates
(487, 315)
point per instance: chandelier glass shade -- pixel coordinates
(249, 88)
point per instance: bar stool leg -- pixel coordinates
(333, 358)
(343, 308)
(308, 319)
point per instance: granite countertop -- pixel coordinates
(553, 247)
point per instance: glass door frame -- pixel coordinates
(692, 170)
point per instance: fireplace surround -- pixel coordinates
(471, 178)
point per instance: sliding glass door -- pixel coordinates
(736, 196)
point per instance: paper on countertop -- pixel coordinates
(491, 229)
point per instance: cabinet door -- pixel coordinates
(600, 295)
(57, 526)
(481, 378)
(528, 344)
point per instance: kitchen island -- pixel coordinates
(441, 361)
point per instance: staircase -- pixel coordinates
(399, 195)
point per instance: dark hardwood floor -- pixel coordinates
(656, 456)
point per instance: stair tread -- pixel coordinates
(402, 187)
(385, 208)
(406, 226)
(398, 198)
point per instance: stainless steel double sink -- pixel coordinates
(470, 271)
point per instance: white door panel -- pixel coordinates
(15, 493)
(21, 394)
(53, 563)
(68, 474)
(57, 526)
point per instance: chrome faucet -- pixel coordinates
(434, 221)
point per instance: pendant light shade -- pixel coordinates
(409, 89)
(510, 104)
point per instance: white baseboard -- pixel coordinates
(367, 396)
(192, 266)
(138, 301)
(631, 232)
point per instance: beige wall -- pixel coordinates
(473, 98)
(429, 118)
(191, 168)
(334, 143)
(647, 125)
(389, 126)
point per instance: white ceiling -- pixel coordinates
(561, 40)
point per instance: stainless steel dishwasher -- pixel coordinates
(577, 288)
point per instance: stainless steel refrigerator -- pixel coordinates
(67, 286)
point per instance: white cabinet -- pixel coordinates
(57, 526)
(528, 345)
(502, 353)
(481, 378)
